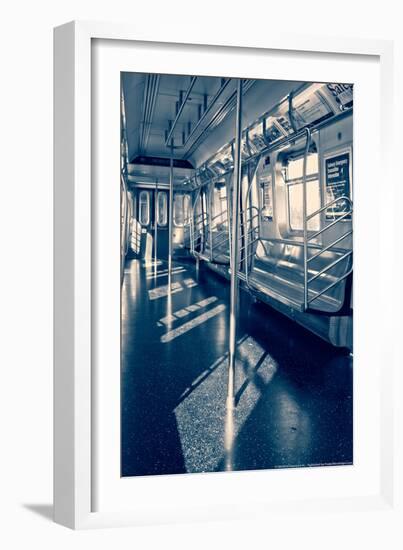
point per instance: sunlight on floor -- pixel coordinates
(207, 434)
(180, 313)
(164, 273)
(163, 291)
(189, 325)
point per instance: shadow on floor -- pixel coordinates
(44, 510)
(171, 398)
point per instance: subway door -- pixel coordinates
(145, 222)
(160, 224)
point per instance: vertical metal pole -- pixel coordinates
(210, 209)
(235, 250)
(171, 192)
(228, 184)
(191, 230)
(304, 215)
(156, 225)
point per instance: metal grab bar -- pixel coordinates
(124, 229)
(330, 266)
(224, 236)
(331, 245)
(324, 290)
(280, 144)
(304, 214)
(213, 226)
(199, 215)
(241, 274)
(181, 107)
(254, 240)
(241, 234)
(251, 230)
(252, 217)
(199, 225)
(290, 242)
(195, 231)
(327, 227)
(326, 206)
(307, 238)
(204, 221)
(223, 233)
(218, 215)
(255, 216)
(223, 241)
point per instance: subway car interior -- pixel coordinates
(236, 274)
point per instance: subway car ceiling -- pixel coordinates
(206, 122)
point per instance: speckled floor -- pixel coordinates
(293, 391)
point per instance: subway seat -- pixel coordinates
(281, 272)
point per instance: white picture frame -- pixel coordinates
(76, 390)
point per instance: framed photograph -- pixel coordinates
(211, 245)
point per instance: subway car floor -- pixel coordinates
(294, 403)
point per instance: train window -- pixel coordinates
(220, 205)
(293, 174)
(266, 190)
(181, 209)
(162, 210)
(144, 207)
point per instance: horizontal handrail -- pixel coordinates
(216, 228)
(220, 242)
(280, 144)
(330, 266)
(309, 299)
(202, 222)
(217, 216)
(249, 209)
(200, 214)
(331, 245)
(249, 232)
(241, 234)
(327, 205)
(327, 227)
(181, 107)
(289, 242)
(328, 287)
(198, 228)
(253, 241)
(199, 222)
(254, 217)
(299, 180)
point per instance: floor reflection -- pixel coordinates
(293, 391)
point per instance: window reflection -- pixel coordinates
(220, 205)
(181, 209)
(293, 176)
(144, 204)
(162, 211)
